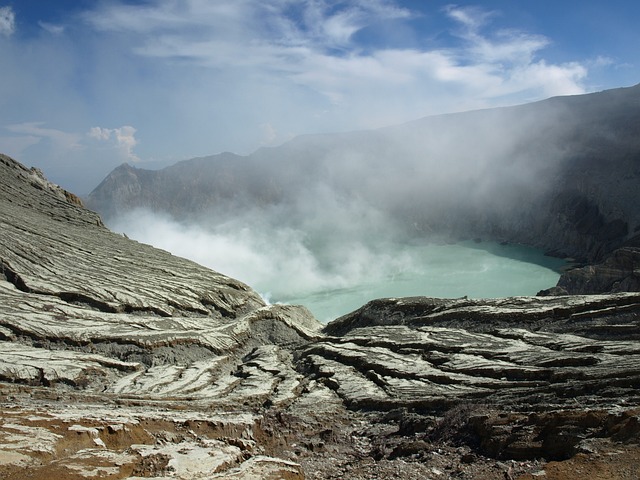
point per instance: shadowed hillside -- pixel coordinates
(560, 174)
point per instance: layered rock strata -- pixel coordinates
(121, 361)
(521, 368)
(86, 310)
(525, 353)
(618, 272)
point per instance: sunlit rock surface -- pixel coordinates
(121, 361)
(525, 353)
(57, 248)
(86, 310)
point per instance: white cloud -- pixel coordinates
(551, 79)
(100, 133)
(74, 160)
(313, 45)
(52, 28)
(158, 15)
(472, 18)
(269, 134)
(234, 75)
(602, 61)
(328, 27)
(510, 58)
(7, 21)
(60, 139)
(123, 138)
(265, 32)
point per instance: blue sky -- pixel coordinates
(87, 85)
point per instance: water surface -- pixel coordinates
(475, 270)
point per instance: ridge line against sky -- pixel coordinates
(87, 85)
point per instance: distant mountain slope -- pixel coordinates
(562, 174)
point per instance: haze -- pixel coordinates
(332, 212)
(89, 85)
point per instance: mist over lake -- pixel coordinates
(332, 221)
(334, 275)
(316, 239)
(485, 270)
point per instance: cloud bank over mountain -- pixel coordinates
(330, 210)
(193, 78)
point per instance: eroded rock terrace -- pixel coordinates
(119, 360)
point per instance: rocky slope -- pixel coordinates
(618, 272)
(121, 361)
(560, 174)
(106, 323)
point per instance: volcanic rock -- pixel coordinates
(121, 361)
(618, 272)
(89, 311)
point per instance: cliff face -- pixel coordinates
(118, 360)
(618, 272)
(560, 174)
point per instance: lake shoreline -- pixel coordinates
(469, 268)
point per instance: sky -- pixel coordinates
(89, 84)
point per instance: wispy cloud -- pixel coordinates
(54, 29)
(511, 58)
(7, 21)
(200, 77)
(472, 18)
(315, 45)
(79, 159)
(35, 130)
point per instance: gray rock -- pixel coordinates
(618, 272)
(57, 248)
(118, 359)
(517, 378)
(89, 308)
(528, 353)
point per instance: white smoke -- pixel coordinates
(278, 262)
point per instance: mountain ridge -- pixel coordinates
(559, 174)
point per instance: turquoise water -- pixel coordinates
(339, 272)
(475, 270)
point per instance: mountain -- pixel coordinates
(561, 174)
(122, 361)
